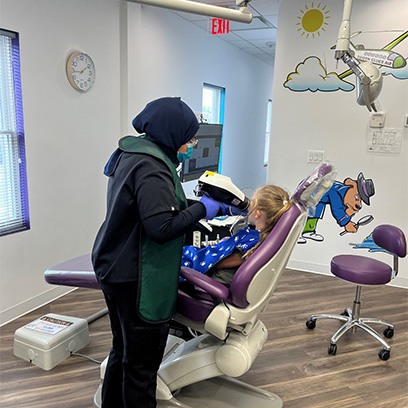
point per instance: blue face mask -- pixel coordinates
(184, 156)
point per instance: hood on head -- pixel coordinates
(167, 121)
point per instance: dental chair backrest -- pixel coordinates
(255, 280)
(257, 277)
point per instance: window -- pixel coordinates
(14, 215)
(267, 132)
(213, 109)
(213, 103)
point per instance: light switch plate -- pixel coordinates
(377, 119)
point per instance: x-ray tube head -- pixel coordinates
(368, 91)
(368, 77)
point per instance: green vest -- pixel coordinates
(159, 263)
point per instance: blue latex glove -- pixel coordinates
(231, 210)
(212, 207)
(224, 209)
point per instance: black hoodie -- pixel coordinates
(141, 196)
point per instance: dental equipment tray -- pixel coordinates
(50, 339)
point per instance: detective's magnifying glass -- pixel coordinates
(362, 221)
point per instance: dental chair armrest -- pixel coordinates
(77, 272)
(205, 283)
(79, 279)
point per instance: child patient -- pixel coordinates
(221, 261)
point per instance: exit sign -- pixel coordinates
(219, 26)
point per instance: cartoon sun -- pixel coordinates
(312, 20)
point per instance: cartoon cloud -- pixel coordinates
(310, 75)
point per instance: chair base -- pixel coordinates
(221, 392)
(204, 385)
(353, 321)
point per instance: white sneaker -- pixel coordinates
(313, 236)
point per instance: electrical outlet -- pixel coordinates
(315, 156)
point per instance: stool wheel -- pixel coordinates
(384, 355)
(333, 349)
(311, 324)
(389, 333)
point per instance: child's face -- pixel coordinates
(252, 211)
(256, 217)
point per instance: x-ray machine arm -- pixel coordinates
(242, 15)
(369, 78)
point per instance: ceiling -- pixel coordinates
(257, 38)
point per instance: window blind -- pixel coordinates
(14, 211)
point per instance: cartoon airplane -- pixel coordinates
(383, 57)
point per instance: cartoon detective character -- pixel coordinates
(344, 199)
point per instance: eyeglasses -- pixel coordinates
(192, 142)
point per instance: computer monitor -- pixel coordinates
(206, 154)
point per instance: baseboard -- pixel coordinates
(309, 267)
(398, 281)
(33, 303)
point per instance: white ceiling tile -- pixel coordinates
(265, 7)
(255, 37)
(267, 34)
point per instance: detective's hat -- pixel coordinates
(365, 188)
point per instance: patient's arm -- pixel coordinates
(231, 261)
(204, 282)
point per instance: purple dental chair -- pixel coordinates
(365, 271)
(201, 372)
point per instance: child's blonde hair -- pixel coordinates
(273, 201)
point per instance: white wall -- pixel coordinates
(333, 122)
(66, 135)
(140, 53)
(176, 59)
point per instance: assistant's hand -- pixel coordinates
(231, 210)
(212, 207)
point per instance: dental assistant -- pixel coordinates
(137, 251)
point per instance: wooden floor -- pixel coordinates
(293, 364)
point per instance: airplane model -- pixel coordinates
(383, 57)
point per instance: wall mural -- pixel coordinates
(312, 75)
(345, 199)
(312, 20)
(369, 244)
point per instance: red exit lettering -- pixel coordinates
(219, 26)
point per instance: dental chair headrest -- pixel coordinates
(309, 192)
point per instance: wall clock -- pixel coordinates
(80, 71)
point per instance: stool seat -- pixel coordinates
(361, 270)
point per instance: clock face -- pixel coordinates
(80, 71)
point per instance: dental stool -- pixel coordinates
(362, 270)
(202, 372)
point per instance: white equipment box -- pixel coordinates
(50, 339)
